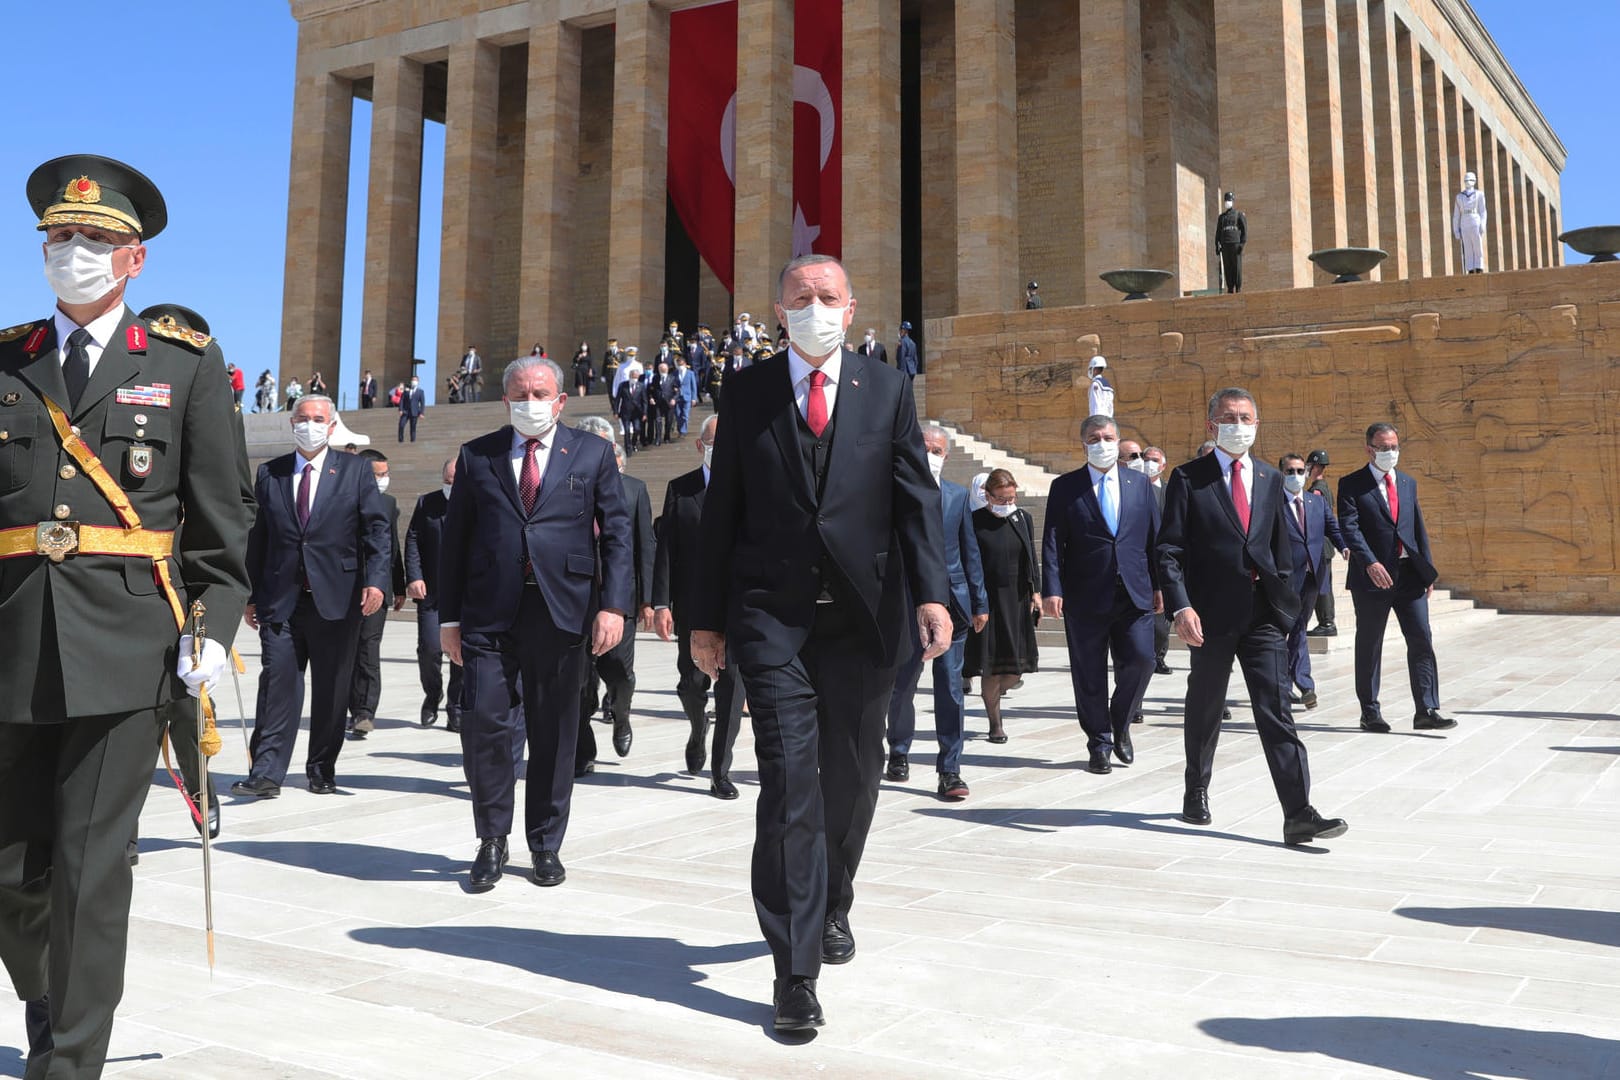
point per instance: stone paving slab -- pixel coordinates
(1056, 924)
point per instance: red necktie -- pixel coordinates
(1394, 507)
(529, 479)
(303, 497)
(816, 408)
(1240, 498)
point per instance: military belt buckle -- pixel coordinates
(56, 540)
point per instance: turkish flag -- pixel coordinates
(702, 128)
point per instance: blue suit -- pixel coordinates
(968, 598)
(905, 356)
(412, 403)
(524, 588)
(1310, 571)
(306, 596)
(1107, 581)
(689, 396)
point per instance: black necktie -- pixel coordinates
(76, 368)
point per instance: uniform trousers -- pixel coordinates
(429, 657)
(617, 669)
(1259, 648)
(327, 648)
(818, 736)
(540, 667)
(693, 690)
(1126, 632)
(366, 686)
(70, 799)
(1409, 600)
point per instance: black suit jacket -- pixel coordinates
(630, 401)
(765, 533)
(396, 565)
(875, 351)
(1372, 536)
(642, 543)
(666, 389)
(344, 548)
(675, 567)
(1207, 562)
(423, 538)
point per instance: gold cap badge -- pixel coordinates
(82, 190)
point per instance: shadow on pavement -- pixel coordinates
(1573, 924)
(1535, 715)
(1030, 819)
(1433, 1049)
(362, 862)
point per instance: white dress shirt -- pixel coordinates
(519, 450)
(314, 478)
(1111, 480)
(1383, 493)
(101, 328)
(799, 370)
(1247, 473)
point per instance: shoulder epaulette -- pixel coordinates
(12, 333)
(166, 327)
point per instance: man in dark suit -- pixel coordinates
(905, 351)
(94, 590)
(630, 406)
(872, 348)
(1150, 462)
(422, 542)
(616, 668)
(1098, 575)
(1391, 569)
(666, 391)
(412, 403)
(1317, 462)
(819, 481)
(675, 582)
(366, 689)
(368, 390)
(1310, 525)
(536, 519)
(970, 608)
(318, 558)
(1224, 566)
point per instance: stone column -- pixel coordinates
(936, 31)
(640, 141)
(1265, 156)
(1414, 155)
(1324, 123)
(467, 226)
(1361, 161)
(1460, 165)
(393, 219)
(986, 157)
(871, 181)
(764, 221)
(317, 211)
(1111, 140)
(1439, 175)
(1521, 240)
(551, 163)
(1479, 154)
(1390, 140)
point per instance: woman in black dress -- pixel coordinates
(584, 370)
(1005, 649)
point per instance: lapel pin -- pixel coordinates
(854, 382)
(11, 398)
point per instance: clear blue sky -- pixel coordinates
(198, 95)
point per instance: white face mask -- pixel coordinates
(309, 436)
(1386, 460)
(869, 339)
(815, 329)
(382, 483)
(446, 489)
(1154, 468)
(414, 384)
(533, 418)
(1002, 511)
(708, 457)
(1294, 483)
(936, 465)
(1235, 439)
(1138, 465)
(1103, 454)
(80, 270)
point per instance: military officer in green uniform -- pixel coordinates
(112, 430)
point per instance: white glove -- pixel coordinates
(210, 666)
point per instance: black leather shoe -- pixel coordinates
(257, 787)
(1323, 630)
(583, 770)
(1226, 714)
(1375, 723)
(1431, 720)
(37, 1022)
(322, 787)
(697, 754)
(1137, 719)
(1308, 699)
(797, 1009)
(489, 863)
(1122, 746)
(452, 720)
(213, 811)
(1099, 762)
(1306, 825)
(363, 726)
(1161, 668)
(899, 769)
(622, 736)
(952, 786)
(1195, 807)
(837, 943)
(548, 869)
(430, 715)
(721, 787)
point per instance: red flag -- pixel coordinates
(702, 91)
(817, 126)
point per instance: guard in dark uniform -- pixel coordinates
(1032, 297)
(112, 430)
(1317, 462)
(1231, 233)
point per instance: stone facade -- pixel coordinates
(1506, 388)
(1050, 141)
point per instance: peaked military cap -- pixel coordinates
(87, 189)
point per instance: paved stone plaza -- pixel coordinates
(1057, 924)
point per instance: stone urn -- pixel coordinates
(1136, 284)
(1602, 242)
(1348, 263)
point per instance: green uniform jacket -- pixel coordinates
(94, 635)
